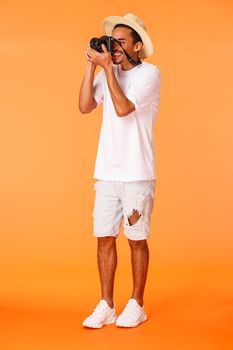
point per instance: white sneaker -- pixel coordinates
(132, 315)
(102, 315)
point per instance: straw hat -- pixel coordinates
(134, 22)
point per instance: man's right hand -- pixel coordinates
(90, 63)
(86, 97)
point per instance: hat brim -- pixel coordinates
(110, 22)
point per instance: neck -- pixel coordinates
(126, 65)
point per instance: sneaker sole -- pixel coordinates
(135, 324)
(107, 322)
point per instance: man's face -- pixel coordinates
(124, 36)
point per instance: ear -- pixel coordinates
(137, 46)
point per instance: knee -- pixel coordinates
(140, 244)
(106, 242)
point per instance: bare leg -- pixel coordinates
(107, 263)
(139, 261)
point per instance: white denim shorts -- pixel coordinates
(115, 200)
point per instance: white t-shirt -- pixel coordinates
(126, 150)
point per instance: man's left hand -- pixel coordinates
(103, 59)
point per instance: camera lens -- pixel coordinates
(95, 44)
(108, 41)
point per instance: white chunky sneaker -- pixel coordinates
(102, 315)
(132, 315)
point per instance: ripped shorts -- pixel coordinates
(115, 200)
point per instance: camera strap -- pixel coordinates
(131, 60)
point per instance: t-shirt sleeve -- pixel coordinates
(145, 88)
(98, 87)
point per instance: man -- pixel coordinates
(129, 89)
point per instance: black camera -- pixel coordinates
(108, 41)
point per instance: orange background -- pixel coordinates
(48, 266)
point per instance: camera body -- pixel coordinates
(108, 41)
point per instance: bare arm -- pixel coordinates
(123, 106)
(86, 97)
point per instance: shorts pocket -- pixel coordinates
(96, 184)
